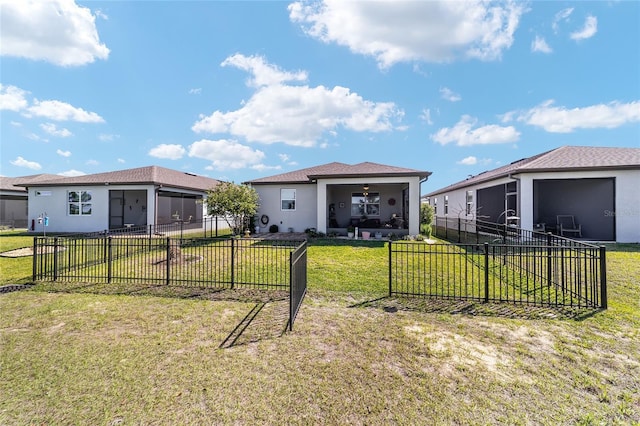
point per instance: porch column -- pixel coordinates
(526, 207)
(414, 206)
(321, 210)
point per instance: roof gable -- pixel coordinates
(154, 175)
(18, 183)
(336, 170)
(563, 159)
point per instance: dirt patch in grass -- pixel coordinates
(28, 251)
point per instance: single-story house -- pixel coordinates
(14, 199)
(595, 187)
(127, 198)
(335, 196)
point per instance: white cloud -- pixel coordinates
(539, 44)
(121, 160)
(563, 15)
(92, 162)
(56, 31)
(62, 111)
(471, 161)
(196, 91)
(264, 74)
(555, 119)
(225, 154)
(426, 116)
(463, 134)
(107, 137)
(72, 173)
(468, 161)
(36, 137)
(51, 129)
(168, 151)
(427, 31)
(12, 98)
(63, 153)
(449, 95)
(21, 162)
(263, 167)
(297, 115)
(589, 29)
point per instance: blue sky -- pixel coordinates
(241, 90)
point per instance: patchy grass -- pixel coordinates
(118, 355)
(16, 270)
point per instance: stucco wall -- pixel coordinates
(627, 199)
(303, 217)
(54, 202)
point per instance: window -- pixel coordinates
(469, 202)
(365, 204)
(446, 204)
(79, 203)
(288, 199)
(435, 206)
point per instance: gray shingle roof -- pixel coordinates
(154, 175)
(10, 183)
(565, 158)
(335, 169)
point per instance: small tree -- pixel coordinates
(426, 218)
(235, 203)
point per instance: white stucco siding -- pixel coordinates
(627, 199)
(54, 202)
(304, 215)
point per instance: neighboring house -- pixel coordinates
(14, 199)
(333, 196)
(112, 200)
(597, 186)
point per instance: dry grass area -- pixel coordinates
(155, 355)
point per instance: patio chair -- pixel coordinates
(566, 224)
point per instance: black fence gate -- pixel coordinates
(212, 263)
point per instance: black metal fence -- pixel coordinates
(539, 274)
(213, 263)
(471, 231)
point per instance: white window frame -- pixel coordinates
(368, 204)
(289, 198)
(469, 202)
(446, 205)
(82, 200)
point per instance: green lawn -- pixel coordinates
(123, 355)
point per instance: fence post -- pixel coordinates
(603, 277)
(486, 272)
(390, 266)
(35, 257)
(459, 230)
(233, 258)
(549, 258)
(150, 229)
(55, 258)
(168, 269)
(181, 231)
(109, 259)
